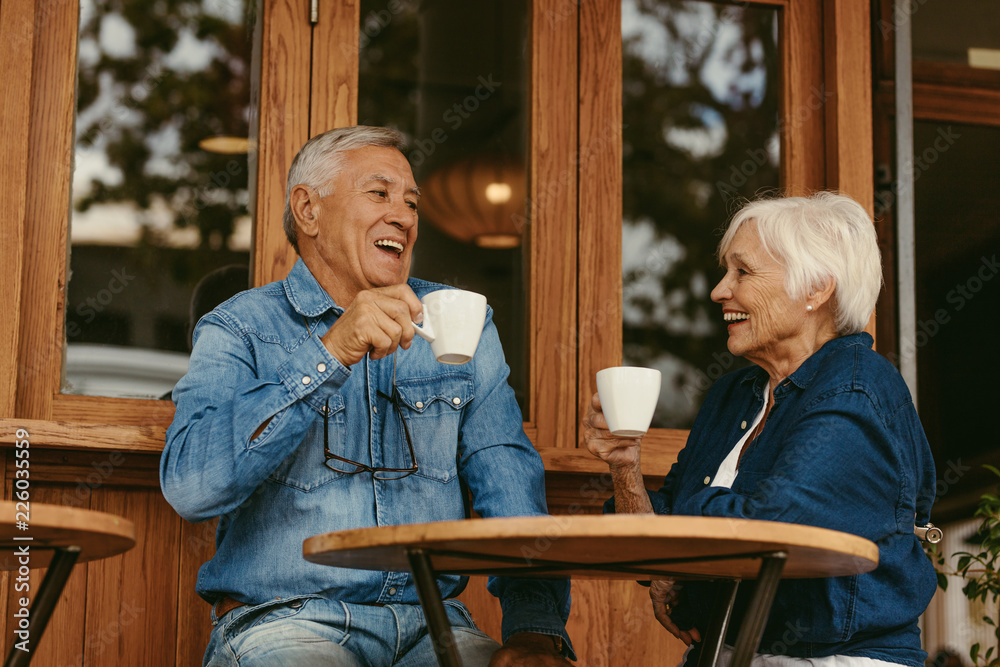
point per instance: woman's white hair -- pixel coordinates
(818, 238)
(322, 157)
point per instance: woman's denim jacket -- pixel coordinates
(842, 449)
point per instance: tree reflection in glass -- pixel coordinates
(160, 184)
(701, 101)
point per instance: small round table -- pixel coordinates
(620, 546)
(34, 535)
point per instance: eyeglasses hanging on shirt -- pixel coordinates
(349, 467)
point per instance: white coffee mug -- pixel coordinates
(453, 322)
(628, 398)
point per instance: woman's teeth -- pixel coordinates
(734, 317)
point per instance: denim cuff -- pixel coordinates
(534, 614)
(313, 374)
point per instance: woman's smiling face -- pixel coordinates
(765, 325)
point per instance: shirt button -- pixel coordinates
(420, 405)
(321, 368)
(708, 480)
(456, 400)
(306, 380)
(374, 409)
(297, 604)
(392, 591)
(744, 424)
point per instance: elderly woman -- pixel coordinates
(820, 431)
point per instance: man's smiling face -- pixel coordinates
(367, 224)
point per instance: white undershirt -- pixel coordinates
(765, 660)
(726, 474)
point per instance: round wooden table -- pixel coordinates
(622, 546)
(34, 535)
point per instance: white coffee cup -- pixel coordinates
(453, 322)
(628, 398)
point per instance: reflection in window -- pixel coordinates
(701, 99)
(957, 236)
(958, 31)
(452, 77)
(160, 185)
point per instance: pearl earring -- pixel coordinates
(809, 308)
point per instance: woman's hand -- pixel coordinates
(622, 457)
(665, 593)
(618, 453)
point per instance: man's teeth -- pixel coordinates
(394, 245)
(733, 317)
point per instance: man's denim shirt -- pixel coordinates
(259, 356)
(842, 449)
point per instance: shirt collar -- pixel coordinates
(806, 372)
(305, 294)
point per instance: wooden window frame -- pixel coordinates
(308, 84)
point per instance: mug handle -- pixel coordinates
(426, 331)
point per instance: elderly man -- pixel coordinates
(309, 407)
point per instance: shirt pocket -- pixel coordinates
(433, 409)
(306, 468)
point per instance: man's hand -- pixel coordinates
(664, 594)
(377, 321)
(616, 452)
(529, 649)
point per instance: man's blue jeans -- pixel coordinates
(315, 631)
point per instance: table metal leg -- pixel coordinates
(45, 602)
(758, 610)
(430, 599)
(715, 633)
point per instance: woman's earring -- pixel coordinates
(809, 308)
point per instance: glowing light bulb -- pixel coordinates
(498, 193)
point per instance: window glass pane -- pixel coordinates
(945, 30)
(957, 234)
(701, 100)
(451, 75)
(160, 229)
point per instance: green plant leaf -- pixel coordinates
(942, 579)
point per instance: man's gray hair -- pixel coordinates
(816, 238)
(322, 157)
